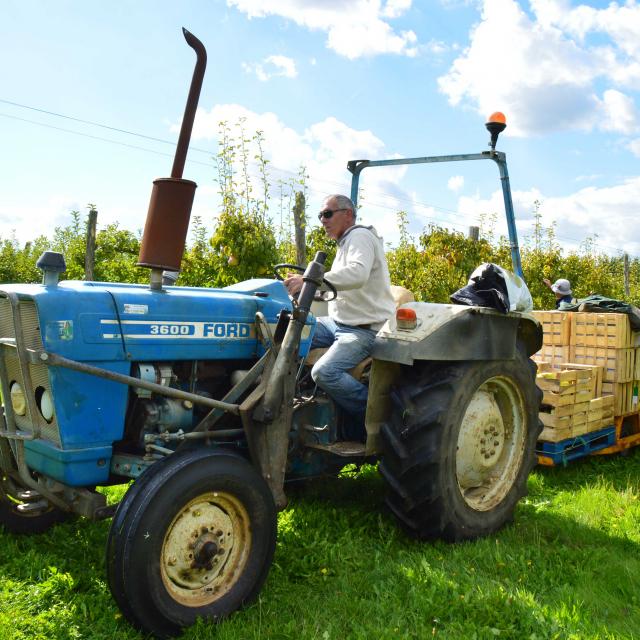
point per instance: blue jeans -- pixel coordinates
(348, 346)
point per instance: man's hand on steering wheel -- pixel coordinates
(294, 282)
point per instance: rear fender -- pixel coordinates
(447, 332)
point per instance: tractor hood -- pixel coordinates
(92, 321)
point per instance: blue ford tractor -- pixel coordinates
(202, 400)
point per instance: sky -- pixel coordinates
(92, 96)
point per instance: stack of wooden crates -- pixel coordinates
(588, 371)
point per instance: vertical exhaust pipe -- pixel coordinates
(165, 230)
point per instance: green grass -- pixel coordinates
(568, 567)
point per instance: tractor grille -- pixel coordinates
(38, 372)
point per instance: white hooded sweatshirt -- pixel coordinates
(361, 276)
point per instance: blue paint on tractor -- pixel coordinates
(81, 467)
(117, 326)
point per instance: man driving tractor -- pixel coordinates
(363, 304)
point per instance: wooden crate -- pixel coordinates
(556, 421)
(604, 403)
(595, 425)
(601, 411)
(553, 434)
(557, 434)
(625, 396)
(618, 364)
(564, 410)
(567, 398)
(597, 375)
(636, 375)
(550, 434)
(552, 353)
(588, 417)
(556, 326)
(606, 330)
(569, 408)
(561, 388)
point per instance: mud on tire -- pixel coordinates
(460, 445)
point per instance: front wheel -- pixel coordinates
(460, 446)
(196, 540)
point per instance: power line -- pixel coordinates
(396, 198)
(164, 154)
(98, 124)
(172, 143)
(88, 135)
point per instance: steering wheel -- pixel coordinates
(299, 269)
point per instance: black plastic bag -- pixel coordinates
(487, 289)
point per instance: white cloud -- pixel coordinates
(610, 213)
(455, 183)
(395, 8)
(545, 72)
(17, 217)
(354, 28)
(634, 147)
(619, 112)
(437, 47)
(589, 178)
(323, 149)
(272, 66)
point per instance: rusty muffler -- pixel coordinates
(165, 230)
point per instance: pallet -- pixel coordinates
(553, 453)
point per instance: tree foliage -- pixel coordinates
(246, 242)
(438, 264)
(18, 264)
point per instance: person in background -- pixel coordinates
(364, 303)
(562, 290)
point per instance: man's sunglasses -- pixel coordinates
(328, 213)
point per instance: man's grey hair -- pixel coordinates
(343, 202)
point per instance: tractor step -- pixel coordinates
(342, 449)
(33, 507)
(28, 495)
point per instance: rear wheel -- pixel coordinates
(194, 540)
(460, 446)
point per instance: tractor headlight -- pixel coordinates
(45, 403)
(18, 401)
